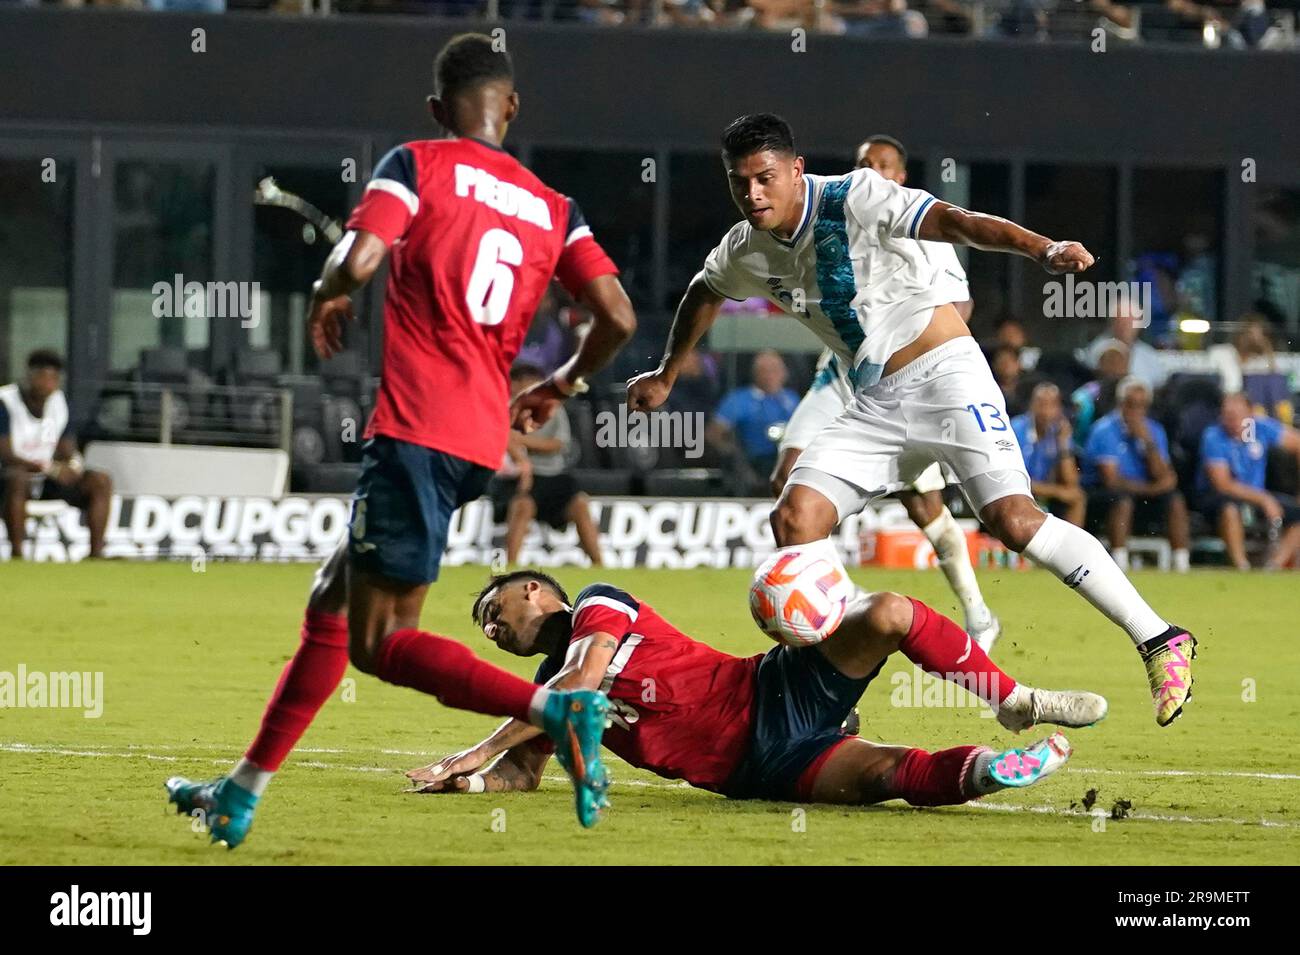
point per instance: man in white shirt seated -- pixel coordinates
(1143, 360)
(38, 455)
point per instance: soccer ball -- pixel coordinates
(798, 595)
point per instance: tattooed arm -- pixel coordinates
(584, 669)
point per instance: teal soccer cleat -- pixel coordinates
(575, 720)
(226, 808)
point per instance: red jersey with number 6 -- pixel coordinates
(475, 240)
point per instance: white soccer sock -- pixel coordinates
(1082, 563)
(950, 548)
(250, 776)
(1182, 560)
(1120, 556)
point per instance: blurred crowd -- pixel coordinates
(1217, 23)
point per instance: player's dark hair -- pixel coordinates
(500, 580)
(756, 133)
(885, 140)
(468, 60)
(523, 370)
(45, 358)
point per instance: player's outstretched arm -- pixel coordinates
(695, 315)
(518, 770)
(944, 222)
(584, 669)
(352, 263)
(613, 323)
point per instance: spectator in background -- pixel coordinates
(1011, 332)
(1143, 360)
(1096, 398)
(1015, 385)
(880, 18)
(748, 423)
(1231, 483)
(1046, 441)
(556, 331)
(39, 456)
(696, 390)
(1126, 468)
(533, 483)
(1250, 356)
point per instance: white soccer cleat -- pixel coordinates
(985, 632)
(1017, 768)
(1025, 707)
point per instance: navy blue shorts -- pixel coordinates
(402, 509)
(800, 702)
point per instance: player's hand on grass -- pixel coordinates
(325, 324)
(1061, 257)
(457, 764)
(533, 406)
(649, 390)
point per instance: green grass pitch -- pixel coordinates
(189, 658)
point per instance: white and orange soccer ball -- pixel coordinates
(799, 594)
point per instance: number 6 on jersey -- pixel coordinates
(490, 283)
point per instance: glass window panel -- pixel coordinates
(35, 259)
(1176, 237)
(162, 228)
(615, 200)
(289, 250)
(1275, 276)
(1068, 202)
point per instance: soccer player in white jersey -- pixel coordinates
(831, 392)
(840, 253)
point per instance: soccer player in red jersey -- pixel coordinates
(473, 239)
(760, 727)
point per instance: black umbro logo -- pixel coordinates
(1075, 577)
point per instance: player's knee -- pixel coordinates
(1014, 521)
(98, 484)
(923, 509)
(888, 617)
(797, 520)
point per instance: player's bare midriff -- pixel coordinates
(945, 325)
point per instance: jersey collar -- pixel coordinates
(804, 219)
(484, 142)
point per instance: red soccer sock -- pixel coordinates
(306, 683)
(450, 671)
(936, 779)
(937, 645)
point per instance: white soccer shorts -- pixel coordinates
(943, 407)
(820, 407)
